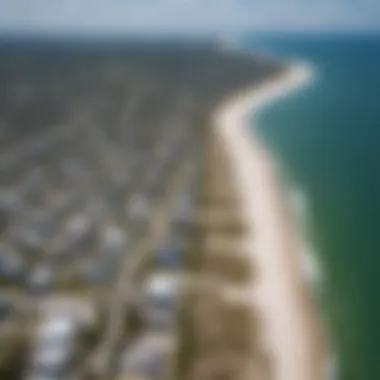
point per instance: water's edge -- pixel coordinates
(298, 202)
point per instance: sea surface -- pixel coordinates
(326, 139)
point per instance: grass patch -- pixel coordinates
(228, 267)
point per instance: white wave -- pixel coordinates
(312, 266)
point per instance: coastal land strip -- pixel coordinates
(91, 136)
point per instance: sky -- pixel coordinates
(151, 16)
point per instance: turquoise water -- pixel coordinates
(327, 139)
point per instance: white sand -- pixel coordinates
(291, 331)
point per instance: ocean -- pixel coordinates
(326, 140)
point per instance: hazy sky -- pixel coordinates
(186, 15)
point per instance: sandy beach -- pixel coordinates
(291, 329)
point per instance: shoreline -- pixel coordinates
(291, 328)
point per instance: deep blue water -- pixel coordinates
(327, 139)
